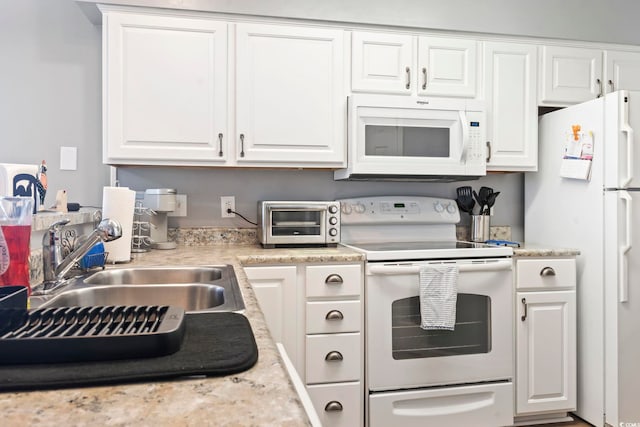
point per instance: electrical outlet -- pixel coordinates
(181, 206)
(226, 203)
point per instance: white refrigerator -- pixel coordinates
(600, 216)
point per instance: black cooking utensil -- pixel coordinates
(491, 199)
(481, 197)
(465, 199)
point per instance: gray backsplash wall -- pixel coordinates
(204, 187)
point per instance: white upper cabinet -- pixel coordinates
(290, 96)
(413, 65)
(622, 70)
(165, 90)
(512, 111)
(382, 63)
(569, 75)
(447, 66)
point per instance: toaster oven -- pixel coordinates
(298, 224)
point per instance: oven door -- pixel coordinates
(402, 355)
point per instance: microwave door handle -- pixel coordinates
(465, 133)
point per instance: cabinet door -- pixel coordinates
(383, 63)
(447, 67)
(546, 352)
(622, 70)
(276, 290)
(569, 75)
(512, 110)
(339, 404)
(165, 90)
(290, 97)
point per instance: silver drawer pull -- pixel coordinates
(524, 304)
(547, 271)
(334, 279)
(333, 356)
(333, 406)
(334, 315)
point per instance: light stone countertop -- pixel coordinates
(528, 250)
(260, 396)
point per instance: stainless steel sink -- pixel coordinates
(156, 276)
(195, 289)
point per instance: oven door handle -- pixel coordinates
(415, 269)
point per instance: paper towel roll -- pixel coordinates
(118, 203)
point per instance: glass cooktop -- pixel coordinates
(429, 250)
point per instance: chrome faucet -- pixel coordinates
(55, 266)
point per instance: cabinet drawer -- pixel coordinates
(545, 273)
(332, 358)
(333, 280)
(326, 317)
(338, 405)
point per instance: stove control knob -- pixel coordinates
(359, 208)
(438, 207)
(333, 209)
(333, 220)
(346, 208)
(451, 208)
(333, 232)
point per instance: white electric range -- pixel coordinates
(417, 377)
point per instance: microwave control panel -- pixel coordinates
(475, 150)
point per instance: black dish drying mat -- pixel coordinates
(214, 344)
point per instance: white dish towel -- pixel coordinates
(438, 296)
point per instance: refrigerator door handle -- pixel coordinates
(626, 128)
(623, 276)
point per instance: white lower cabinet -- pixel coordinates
(545, 337)
(315, 311)
(277, 293)
(338, 405)
(333, 358)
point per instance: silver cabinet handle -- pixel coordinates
(524, 303)
(333, 406)
(599, 82)
(334, 315)
(333, 356)
(220, 144)
(612, 86)
(333, 279)
(242, 145)
(408, 71)
(547, 271)
(488, 151)
(424, 73)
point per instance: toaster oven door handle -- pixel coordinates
(292, 208)
(396, 269)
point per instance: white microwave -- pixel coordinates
(414, 139)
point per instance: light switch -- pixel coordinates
(68, 158)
